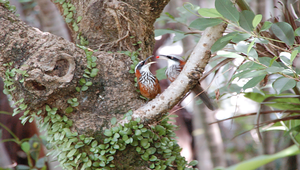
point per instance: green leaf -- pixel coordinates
(84, 88)
(75, 27)
(102, 158)
(209, 12)
(243, 47)
(227, 9)
(203, 23)
(110, 158)
(282, 84)
(274, 69)
(79, 144)
(153, 158)
(246, 18)
(160, 129)
(256, 20)
(250, 46)
(144, 142)
(23, 167)
(24, 120)
(113, 120)
(253, 82)
(160, 73)
(254, 74)
(159, 32)
(151, 150)
(68, 20)
(240, 37)
(40, 163)
(285, 58)
(25, 146)
(108, 132)
(284, 32)
(70, 15)
(266, 26)
(79, 18)
(169, 15)
(193, 163)
(145, 157)
(178, 36)
(138, 132)
(293, 56)
(261, 160)
(219, 44)
(94, 144)
(69, 110)
(94, 72)
(297, 32)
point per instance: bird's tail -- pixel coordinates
(204, 97)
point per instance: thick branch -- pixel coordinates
(187, 78)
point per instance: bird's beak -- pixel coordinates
(148, 58)
(162, 57)
(151, 62)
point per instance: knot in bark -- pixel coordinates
(195, 74)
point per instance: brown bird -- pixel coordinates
(147, 82)
(175, 65)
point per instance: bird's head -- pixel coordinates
(172, 60)
(142, 66)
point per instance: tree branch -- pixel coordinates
(188, 77)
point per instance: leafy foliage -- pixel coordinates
(264, 54)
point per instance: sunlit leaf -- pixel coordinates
(261, 160)
(293, 56)
(256, 20)
(209, 12)
(284, 32)
(250, 46)
(285, 58)
(203, 23)
(229, 54)
(255, 96)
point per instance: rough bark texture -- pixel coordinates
(112, 25)
(55, 65)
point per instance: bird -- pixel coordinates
(148, 84)
(175, 65)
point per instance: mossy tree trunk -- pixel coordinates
(80, 90)
(54, 66)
